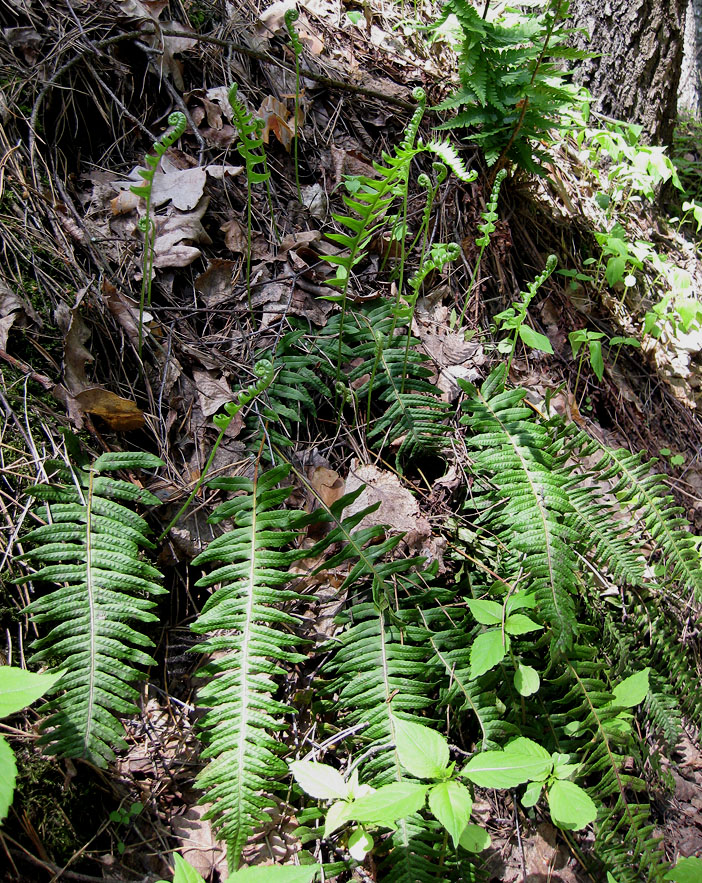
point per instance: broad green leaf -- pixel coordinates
(519, 601)
(535, 340)
(274, 874)
(474, 838)
(19, 688)
(389, 803)
(596, 358)
(423, 752)
(632, 690)
(8, 776)
(451, 804)
(531, 795)
(360, 844)
(519, 624)
(616, 267)
(337, 815)
(571, 807)
(184, 872)
(687, 870)
(522, 761)
(319, 780)
(486, 612)
(526, 680)
(487, 651)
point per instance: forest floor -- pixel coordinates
(96, 82)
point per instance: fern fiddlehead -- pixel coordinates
(291, 16)
(90, 542)
(178, 122)
(265, 372)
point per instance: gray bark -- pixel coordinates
(641, 44)
(690, 89)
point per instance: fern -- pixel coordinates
(513, 89)
(90, 542)
(524, 492)
(389, 376)
(250, 634)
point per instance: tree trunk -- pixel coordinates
(637, 74)
(690, 89)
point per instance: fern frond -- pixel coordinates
(250, 634)
(90, 542)
(522, 474)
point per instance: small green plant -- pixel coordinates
(265, 372)
(18, 689)
(587, 343)
(123, 818)
(487, 228)
(291, 16)
(251, 149)
(185, 873)
(513, 318)
(178, 122)
(513, 90)
(619, 342)
(673, 459)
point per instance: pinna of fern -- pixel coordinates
(89, 543)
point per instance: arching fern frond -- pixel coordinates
(90, 543)
(523, 486)
(249, 632)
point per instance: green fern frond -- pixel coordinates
(250, 634)
(90, 543)
(521, 473)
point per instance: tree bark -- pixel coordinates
(690, 88)
(641, 48)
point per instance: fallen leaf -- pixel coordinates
(276, 116)
(216, 284)
(125, 310)
(119, 414)
(175, 232)
(183, 187)
(75, 355)
(199, 846)
(14, 309)
(234, 236)
(213, 391)
(398, 509)
(328, 484)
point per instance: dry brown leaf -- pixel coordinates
(213, 391)
(171, 248)
(183, 187)
(328, 484)
(119, 414)
(216, 284)
(234, 236)
(124, 309)
(14, 309)
(398, 509)
(277, 120)
(199, 845)
(75, 355)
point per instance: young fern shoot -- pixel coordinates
(178, 122)
(264, 371)
(291, 16)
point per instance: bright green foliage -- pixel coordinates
(513, 90)
(251, 633)
(90, 544)
(185, 873)
(397, 396)
(18, 688)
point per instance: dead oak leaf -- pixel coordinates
(213, 391)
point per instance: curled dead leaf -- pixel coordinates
(119, 414)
